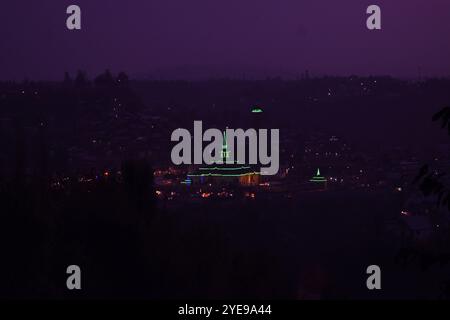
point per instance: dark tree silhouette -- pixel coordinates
(433, 183)
(104, 79)
(81, 79)
(122, 79)
(67, 78)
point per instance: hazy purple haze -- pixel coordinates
(224, 37)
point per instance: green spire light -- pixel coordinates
(225, 153)
(318, 177)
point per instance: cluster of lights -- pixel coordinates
(205, 195)
(250, 195)
(210, 194)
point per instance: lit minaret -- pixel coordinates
(319, 179)
(225, 154)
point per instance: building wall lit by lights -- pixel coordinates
(225, 174)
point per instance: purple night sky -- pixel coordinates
(144, 37)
